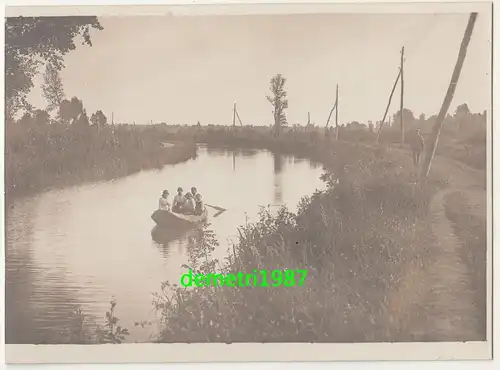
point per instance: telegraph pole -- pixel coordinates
(337, 114)
(449, 95)
(401, 106)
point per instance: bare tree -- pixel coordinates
(52, 88)
(278, 101)
(449, 95)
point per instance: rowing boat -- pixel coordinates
(174, 220)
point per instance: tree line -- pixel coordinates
(67, 111)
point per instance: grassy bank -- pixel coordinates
(42, 157)
(467, 145)
(356, 239)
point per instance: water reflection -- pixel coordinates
(82, 245)
(167, 239)
(30, 307)
(229, 152)
(278, 180)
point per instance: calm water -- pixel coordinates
(81, 246)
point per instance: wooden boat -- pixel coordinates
(177, 220)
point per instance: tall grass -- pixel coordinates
(39, 157)
(356, 239)
(84, 330)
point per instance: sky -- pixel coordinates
(184, 69)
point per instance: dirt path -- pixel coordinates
(440, 301)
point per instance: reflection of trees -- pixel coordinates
(40, 306)
(315, 165)
(278, 181)
(216, 152)
(18, 281)
(248, 152)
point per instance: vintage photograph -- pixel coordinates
(246, 177)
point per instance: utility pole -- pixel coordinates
(388, 105)
(308, 118)
(401, 106)
(337, 113)
(234, 116)
(436, 131)
(238, 116)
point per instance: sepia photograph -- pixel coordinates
(268, 175)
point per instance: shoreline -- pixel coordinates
(107, 164)
(351, 170)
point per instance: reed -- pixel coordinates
(41, 157)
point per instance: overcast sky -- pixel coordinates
(185, 69)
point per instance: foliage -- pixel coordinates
(112, 332)
(31, 41)
(407, 116)
(98, 118)
(82, 330)
(82, 120)
(70, 110)
(39, 156)
(52, 88)
(26, 119)
(41, 117)
(278, 101)
(462, 110)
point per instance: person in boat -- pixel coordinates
(179, 201)
(189, 205)
(164, 204)
(194, 192)
(200, 207)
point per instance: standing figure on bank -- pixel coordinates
(417, 147)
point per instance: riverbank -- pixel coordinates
(359, 239)
(467, 146)
(373, 250)
(51, 156)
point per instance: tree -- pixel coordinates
(407, 116)
(65, 111)
(81, 120)
(421, 117)
(70, 110)
(462, 111)
(26, 119)
(31, 40)
(76, 106)
(278, 101)
(41, 117)
(52, 88)
(98, 118)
